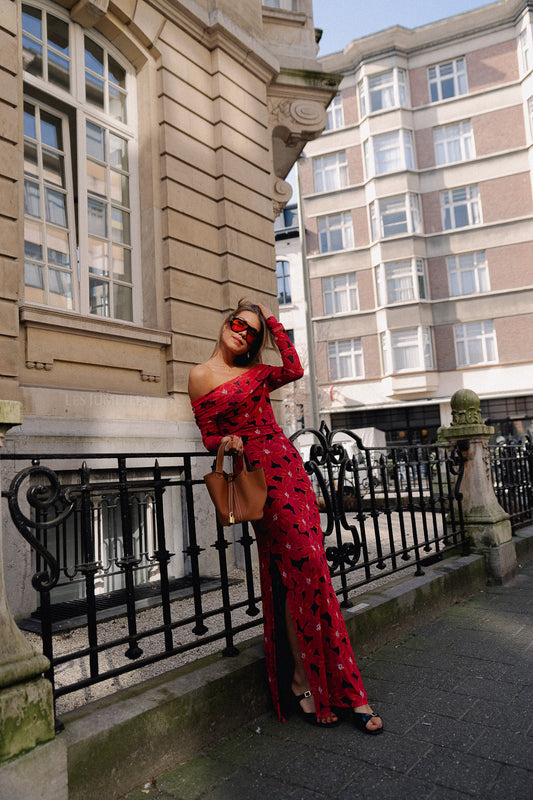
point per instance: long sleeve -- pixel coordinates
(291, 370)
(205, 419)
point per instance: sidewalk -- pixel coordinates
(456, 697)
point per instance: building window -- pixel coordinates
(447, 80)
(345, 359)
(525, 38)
(335, 114)
(394, 216)
(460, 207)
(335, 232)
(468, 273)
(401, 281)
(340, 294)
(79, 221)
(454, 143)
(389, 152)
(284, 283)
(379, 92)
(475, 343)
(330, 172)
(407, 350)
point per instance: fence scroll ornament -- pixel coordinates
(40, 496)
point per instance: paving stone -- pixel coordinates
(461, 772)
(513, 782)
(383, 784)
(507, 747)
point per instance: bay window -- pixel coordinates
(383, 91)
(394, 216)
(401, 281)
(81, 252)
(389, 152)
(407, 350)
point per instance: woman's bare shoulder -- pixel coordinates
(200, 380)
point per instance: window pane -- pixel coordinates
(56, 211)
(118, 152)
(32, 199)
(96, 178)
(122, 265)
(60, 289)
(94, 57)
(58, 34)
(58, 247)
(117, 74)
(30, 128)
(32, 21)
(53, 168)
(120, 188)
(33, 241)
(98, 262)
(51, 133)
(31, 165)
(95, 140)
(117, 104)
(99, 297)
(123, 305)
(120, 222)
(34, 280)
(58, 70)
(97, 218)
(94, 90)
(32, 56)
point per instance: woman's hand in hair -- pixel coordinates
(265, 311)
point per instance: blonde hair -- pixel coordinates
(254, 352)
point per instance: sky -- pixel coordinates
(344, 20)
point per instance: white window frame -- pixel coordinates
(454, 143)
(463, 200)
(335, 112)
(82, 112)
(407, 211)
(414, 345)
(332, 227)
(530, 115)
(330, 172)
(377, 93)
(345, 359)
(525, 39)
(446, 75)
(473, 339)
(340, 294)
(389, 152)
(401, 281)
(468, 273)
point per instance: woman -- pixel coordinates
(231, 403)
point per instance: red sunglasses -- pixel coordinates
(238, 325)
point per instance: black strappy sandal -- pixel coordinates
(310, 716)
(360, 720)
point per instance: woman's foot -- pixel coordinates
(367, 720)
(306, 704)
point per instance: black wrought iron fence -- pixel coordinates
(512, 475)
(117, 534)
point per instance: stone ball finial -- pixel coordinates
(466, 408)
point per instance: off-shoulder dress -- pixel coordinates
(292, 560)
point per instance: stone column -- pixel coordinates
(26, 708)
(485, 521)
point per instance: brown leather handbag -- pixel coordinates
(238, 496)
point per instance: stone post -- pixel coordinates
(26, 707)
(485, 521)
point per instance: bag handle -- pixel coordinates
(220, 459)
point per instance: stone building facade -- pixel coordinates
(144, 146)
(419, 217)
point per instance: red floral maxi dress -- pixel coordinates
(293, 565)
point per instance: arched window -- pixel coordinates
(80, 177)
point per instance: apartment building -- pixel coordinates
(418, 211)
